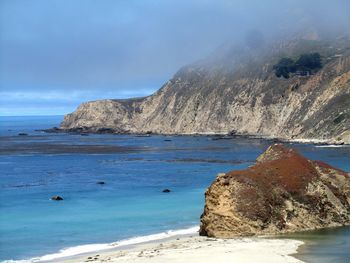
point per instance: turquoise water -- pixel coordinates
(135, 171)
(325, 246)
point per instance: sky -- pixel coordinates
(55, 54)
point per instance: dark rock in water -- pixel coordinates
(23, 134)
(283, 192)
(100, 182)
(104, 130)
(56, 198)
(52, 130)
(222, 138)
(232, 133)
(166, 191)
(84, 131)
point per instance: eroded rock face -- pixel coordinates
(283, 192)
(238, 92)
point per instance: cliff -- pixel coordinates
(283, 192)
(237, 91)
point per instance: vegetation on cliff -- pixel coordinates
(306, 64)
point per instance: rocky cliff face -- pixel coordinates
(283, 192)
(238, 92)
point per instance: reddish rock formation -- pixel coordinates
(283, 192)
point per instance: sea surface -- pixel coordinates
(130, 206)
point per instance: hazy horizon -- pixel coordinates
(56, 54)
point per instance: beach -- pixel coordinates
(194, 249)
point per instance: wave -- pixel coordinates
(89, 248)
(332, 146)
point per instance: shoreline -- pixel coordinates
(173, 243)
(194, 248)
(215, 135)
(183, 245)
(86, 249)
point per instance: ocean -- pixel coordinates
(130, 206)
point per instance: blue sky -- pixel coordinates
(55, 54)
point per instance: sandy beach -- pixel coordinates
(200, 249)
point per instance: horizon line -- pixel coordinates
(40, 115)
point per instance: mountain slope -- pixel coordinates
(238, 93)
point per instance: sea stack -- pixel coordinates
(283, 192)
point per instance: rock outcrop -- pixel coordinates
(238, 92)
(283, 192)
(56, 198)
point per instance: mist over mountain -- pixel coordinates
(120, 49)
(240, 93)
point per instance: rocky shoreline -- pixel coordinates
(215, 136)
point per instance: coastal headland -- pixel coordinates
(238, 94)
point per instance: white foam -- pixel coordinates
(73, 251)
(322, 142)
(143, 239)
(332, 146)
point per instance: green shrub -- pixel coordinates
(284, 67)
(305, 65)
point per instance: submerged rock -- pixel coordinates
(56, 198)
(283, 192)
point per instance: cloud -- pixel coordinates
(126, 47)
